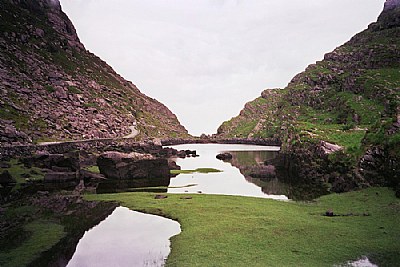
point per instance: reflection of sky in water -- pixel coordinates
(228, 182)
(126, 238)
(363, 262)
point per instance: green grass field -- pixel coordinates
(244, 231)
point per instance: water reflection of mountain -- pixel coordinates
(251, 166)
(274, 180)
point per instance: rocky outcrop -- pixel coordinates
(6, 178)
(52, 87)
(121, 166)
(391, 4)
(329, 148)
(61, 177)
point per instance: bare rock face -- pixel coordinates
(122, 166)
(52, 87)
(329, 148)
(391, 4)
(390, 17)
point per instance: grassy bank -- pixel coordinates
(242, 231)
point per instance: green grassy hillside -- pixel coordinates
(351, 98)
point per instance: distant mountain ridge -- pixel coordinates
(52, 88)
(350, 99)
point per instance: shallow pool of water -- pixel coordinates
(230, 181)
(362, 262)
(126, 238)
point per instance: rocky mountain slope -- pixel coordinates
(350, 100)
(52, 88)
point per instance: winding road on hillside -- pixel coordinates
(133, 134)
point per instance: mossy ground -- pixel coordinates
(199, 170)
(21, 173)
(93, 168)
(243, 231)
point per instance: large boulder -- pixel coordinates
(122, 166)
(67, 162)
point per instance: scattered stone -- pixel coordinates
(329, 148)
(26, 175)
(43, 193)
(181, 154)
(173, 166)
(160, 197)
(58, 177)
(186, 197)
(87, 175)
(5, 165)
(39, 32)
(191, 153)
(6, 178)
(329, 213)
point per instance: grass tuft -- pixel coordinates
(199, 170)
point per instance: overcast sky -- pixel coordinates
(205, 59)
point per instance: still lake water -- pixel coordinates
(126, 238)
(230, 181)
(129, 238)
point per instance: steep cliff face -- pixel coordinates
(52, 88)
(351, 99)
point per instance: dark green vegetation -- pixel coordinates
(54, 88)
(36, 237)
(200, 170)
(21, 173)
(94, 169)
(351, 99)
(241, 231)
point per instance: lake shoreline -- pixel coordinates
(276, 233)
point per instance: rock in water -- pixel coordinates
(224, 156)
(121, 166)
